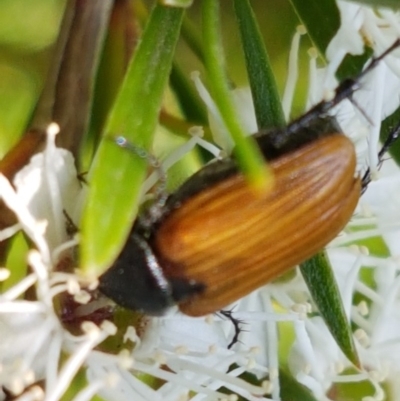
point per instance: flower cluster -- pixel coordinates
(176, 357)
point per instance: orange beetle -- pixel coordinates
(217, 240)
(232, 240)
(214, 240)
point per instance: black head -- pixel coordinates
(136, 280)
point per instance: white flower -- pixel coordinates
(378, 334)
(315, 359)
(32, 333)
(185, 357)
(32, 336)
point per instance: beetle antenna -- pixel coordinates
(394, 134)
(344, 90)
(361, 110)
(236, 325)
(161, 195)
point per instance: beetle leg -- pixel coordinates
(394, 134)
(236, 325)
(154, 212)
(344, 91)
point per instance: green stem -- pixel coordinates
(247, 153)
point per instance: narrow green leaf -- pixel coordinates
(388, 125)
(267, 103)
(117, 174)
(321, 19)
(192, 38)
(247, 153)
(317, 273)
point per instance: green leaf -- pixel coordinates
(267, 103)
(388, 125)
(192, 38)
(117, 174)
(249, 158)
(321, 19)
(16, 261)
(321, 283)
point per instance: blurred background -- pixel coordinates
(28, 31)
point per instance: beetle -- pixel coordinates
(214, 240)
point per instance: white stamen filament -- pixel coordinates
(9, 231)
(74, 362)
(52, 182)
(22, 307)
(347, 290)
(177, 155)
(312, 95)
(362, 235)
(18, 289)
(293, 72)
(90, 391)
(30, 225)
(272, 346)
(64, 247)
(42, 337)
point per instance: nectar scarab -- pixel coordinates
(214, 240)
(217, 240)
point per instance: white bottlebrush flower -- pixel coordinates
(188, 357)
(315, 359)
(378, 96)
(32, 336)
(34, 340)
(378, 214)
